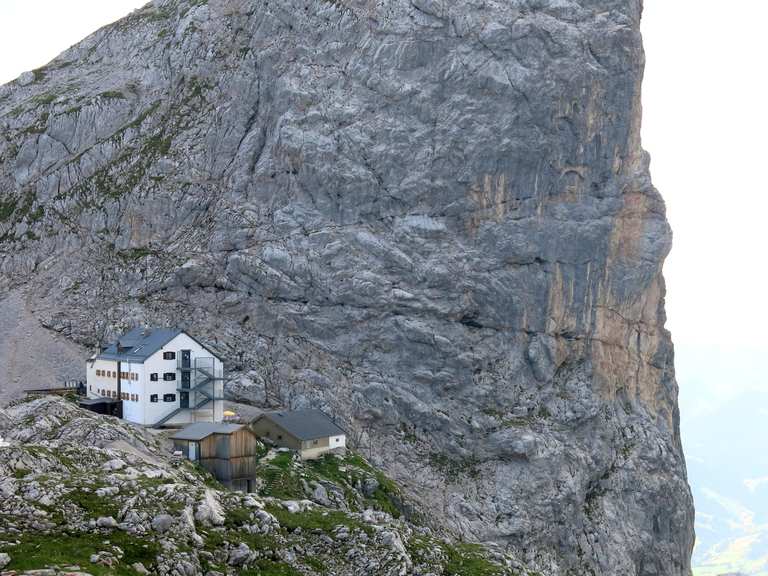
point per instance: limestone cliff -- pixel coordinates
(433, 218)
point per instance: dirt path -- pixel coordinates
(30, 355)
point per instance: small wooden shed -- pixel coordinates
(228, 451)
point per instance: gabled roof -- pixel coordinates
(201, 430)
(138, 344)
(305, 424)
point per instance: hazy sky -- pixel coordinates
(705, 125)
(33, 32)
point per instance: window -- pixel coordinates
(169, 376)
(109, 374)
(169, 355)
(338, 440)
(153, 398)
(153, 377)
(98, 372)
(314, 442)
(134, 376)
(169, 397)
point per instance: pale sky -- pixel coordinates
(705, 125)
(34, 32)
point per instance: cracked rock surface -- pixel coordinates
(433, 219)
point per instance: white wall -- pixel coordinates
(104, 385)
(144, 411)
(338, 441)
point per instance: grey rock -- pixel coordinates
(5, 559)
(139, 568)
(424, 216)
(370, 485)
(106, 522)
(162, 523)
(239, 556)
(320, 494)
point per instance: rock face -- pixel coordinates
(434, 219)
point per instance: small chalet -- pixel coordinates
(311, 433)
(156, 377)
(228, 451)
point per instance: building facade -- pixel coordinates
(162, 376)
(311, 433)
(228, 451)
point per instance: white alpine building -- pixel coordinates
(163, 376)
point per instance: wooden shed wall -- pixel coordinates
(230, 456)
(241, 443)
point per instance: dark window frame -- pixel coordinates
(153, 398)
(169, 376)
(169, 355)
(168, 398)
(153, 377)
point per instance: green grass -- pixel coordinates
(317, 519)
(469, 560)
(7, 208)
(356, 469)
(94, 505)
(113, 95)
(459, 559)
(315, 564)
(236, 517)
(282, 460)
(137, 253)
(38, 551)
(43, 99)
(280, 478)
(20, 473)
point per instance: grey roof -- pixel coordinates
(305, 424)
(200, 430)
(138, 344)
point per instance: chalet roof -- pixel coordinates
(200, 430)
(305, 424)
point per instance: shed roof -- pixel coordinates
(305, 424)
(201, 430)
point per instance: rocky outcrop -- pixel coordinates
(434, 219)
(73, 504)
